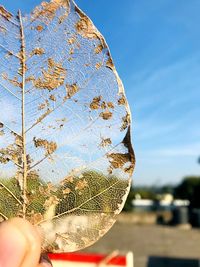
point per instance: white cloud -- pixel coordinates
(186, 150)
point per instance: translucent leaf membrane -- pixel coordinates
(65, 154)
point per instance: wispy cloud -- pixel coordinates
(186, 150)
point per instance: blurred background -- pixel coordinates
(156, 48)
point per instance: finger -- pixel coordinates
(20, 244)
(33, 250)
(13, 245)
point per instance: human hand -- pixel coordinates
(20, 245)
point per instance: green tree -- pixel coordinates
(189, 189)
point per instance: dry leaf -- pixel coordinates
(66, 158)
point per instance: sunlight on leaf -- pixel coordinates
(65, 152)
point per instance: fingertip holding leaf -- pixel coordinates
(65, 151)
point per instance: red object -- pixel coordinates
(87, 258)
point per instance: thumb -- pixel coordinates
(20, 244)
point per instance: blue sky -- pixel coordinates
(156, 48)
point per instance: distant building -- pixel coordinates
(143, 205)
(165, 202)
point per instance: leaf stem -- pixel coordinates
(23, 72)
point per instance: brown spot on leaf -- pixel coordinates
(37, 52)
(66, 191)
(110, 105)
(18, 140)
(53, 78)
(13, 81)
(110, 64)
(42, 106)
(53, 200)
(129, 169)
(29, 79)
(98, 65)
(71, 40)
(49, 147)
(126, 120)
(122, 100)
(107, 115)
(1, 125)
(95, 104)
(47, 11)
(7, 15)
(71, 89)
(118, 160)
(99, 49)
(39, 28)
(52, 98)
(81, 184)
(105, 142)
(85, 27)
(68, 179)
(11, 153)
(103, 105)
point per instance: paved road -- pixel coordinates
(146, 240)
